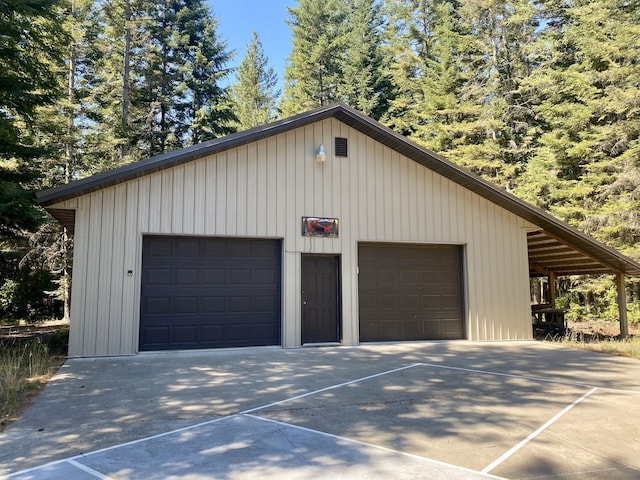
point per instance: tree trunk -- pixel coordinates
(536, 290)
(68, 171)
(66, 277)
(124, 147)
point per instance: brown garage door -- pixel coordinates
(410, 292)
(209, 292)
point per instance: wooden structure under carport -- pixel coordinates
(565, 253)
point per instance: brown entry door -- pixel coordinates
(320, 299)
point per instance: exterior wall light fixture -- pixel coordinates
(320, 155)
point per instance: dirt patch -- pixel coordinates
(599, 329)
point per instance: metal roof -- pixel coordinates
(556, 246)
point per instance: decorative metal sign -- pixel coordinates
(319, 227)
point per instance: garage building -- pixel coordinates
(323, 228)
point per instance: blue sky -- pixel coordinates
(237, 19)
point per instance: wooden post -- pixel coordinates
(552, 289)
(622, 305)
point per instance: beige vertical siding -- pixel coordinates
(262, 190)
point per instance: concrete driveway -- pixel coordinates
(454, 410)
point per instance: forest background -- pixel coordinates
(541, 97)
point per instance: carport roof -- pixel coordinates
(553, 247)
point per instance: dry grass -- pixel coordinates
(599, 336)
(628, 347)
(24, 370)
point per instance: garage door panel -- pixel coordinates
(155, 305)
(215, 248)
(263, 332)
(212, 304)
(240, 304)
(240, 276)
(212, 334)
(450, 302)
(185, 334)
(410, 302)
(159, 247)
(239, 332)
(265, 303)
(368, 303)
(408, 277)
(265, 276)
(187, 248)
(451, 327)
(389, 302)
(433, 328)
(212, 276)
(186, 276)
(185, 305)
(158, 334)
(202, 292)
(266, 251)
(412, 329)
(410, 292)
(158, 276)
(388, 330)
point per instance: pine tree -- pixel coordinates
(30, 53)
(112, 86)
(254, 93)
(585, 170)
(312, 75)
(433, 47)
(404, 47)
(59, 129)
(182, 63)
(31, 48)
(502, 136)
(364, 83)
(458, 68)
(209, 110)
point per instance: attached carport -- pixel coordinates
(559, 251)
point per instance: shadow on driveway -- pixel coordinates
(463, 414)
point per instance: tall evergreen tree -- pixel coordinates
(432, 49)
(364, 82)
(405, 46)
(209, 110)
(449, 116)
(30, 52)
(458, 79)
(312, 75)
(181, 67)
(112, 86)
(586, 167)
(52, 243)
(254, 93)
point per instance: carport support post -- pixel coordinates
(552, 289)
(622, 305)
